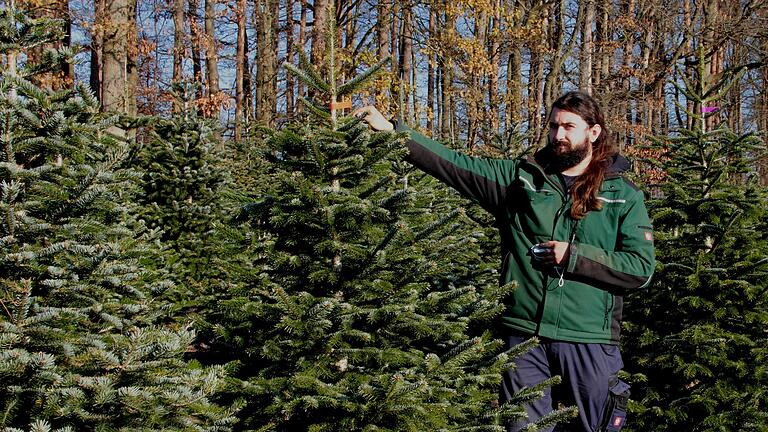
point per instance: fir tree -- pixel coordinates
(183, 183)
(80, 344)
(699, 333)
(369, 307)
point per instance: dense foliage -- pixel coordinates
(81, 347)
(698, 336)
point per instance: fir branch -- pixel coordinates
(314, 78)
(32, 118)
(464, 352)
(727, 80)
(363, 78)
(723, 231)
(307, 78)
(442, 221)
(393, 199)
(391, 234)
(353, 125)
(561, 415)
(319, 111)
(349, 163)
(30, 90)
(375, 187)
(88, 96)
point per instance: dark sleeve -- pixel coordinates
(484, 180)
(631, 265)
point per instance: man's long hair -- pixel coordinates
(587, 185)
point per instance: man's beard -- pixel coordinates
(568, 156)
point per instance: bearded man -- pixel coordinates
(575, 235)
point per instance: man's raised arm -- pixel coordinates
(484, 180)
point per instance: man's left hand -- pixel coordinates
(559, 253)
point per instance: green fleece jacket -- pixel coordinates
(611, 249)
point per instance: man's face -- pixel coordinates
(571, 137)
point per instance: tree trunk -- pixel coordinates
(383, 36)
(211, 52)
(415, 106)
(689, 70)
(713, 17)
(119, 75)
(762, 117)
(194, 30)
(352, 27)
(604, 51)
(68, 68)
(97, 42)
(561, 49)
(63, 75)
(178, 40)
(267, 62)
(475, 92)
(179, 47)
(289, 43)
(431, 76)
(536, 80)
(382, 28)
(446, 84)
(624, 106)
(239, 68)
(493, 79)
(12, 63)
(319, 29)
(646, 105)
(302, 42)
(514, 99)
(535, 95)
(248, 107)
(405, 62)
(394, 38)
(587, 49)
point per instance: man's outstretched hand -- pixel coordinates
(374, 118)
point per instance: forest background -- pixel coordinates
(186, 247)
(474, 71)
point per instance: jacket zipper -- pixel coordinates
(563, 194)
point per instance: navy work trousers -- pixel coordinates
(585, 368)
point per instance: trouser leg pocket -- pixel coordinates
(615, 413)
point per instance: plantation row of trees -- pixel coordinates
(155, 275)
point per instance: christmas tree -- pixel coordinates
(699, 334)
(183, 188)
(81, 347)
(368, 307)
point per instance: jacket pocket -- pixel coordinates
(615, 412)
(535, 212)
(608, 308)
